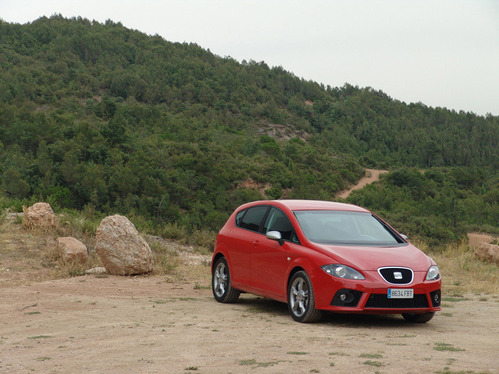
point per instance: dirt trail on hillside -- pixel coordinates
(372, 175)
(95, 324)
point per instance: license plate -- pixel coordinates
(396, 293)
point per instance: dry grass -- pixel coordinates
(462, 272)
(32, 255)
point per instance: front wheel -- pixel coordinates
(418, 318)
(221, 285)
(301, 299)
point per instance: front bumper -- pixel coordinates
(371, 295)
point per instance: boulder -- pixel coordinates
(488, 252)
(120, 247)
(40, 215)
(476, 238)
(73, 250)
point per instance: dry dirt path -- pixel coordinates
(372, 175)
(116, 324)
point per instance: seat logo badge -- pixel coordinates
(397, 275)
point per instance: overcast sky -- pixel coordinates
(443, 53)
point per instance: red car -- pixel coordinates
(320, 255)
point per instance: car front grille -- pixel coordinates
(382, 301)
(396, 275)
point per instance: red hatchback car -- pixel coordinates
(320, 255)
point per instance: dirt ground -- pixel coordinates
(372, 175)
(161, 324)
(103, 324)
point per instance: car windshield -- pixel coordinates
(346, 228)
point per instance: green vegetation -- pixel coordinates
(446, 347)
(102, 119)
(438, 204)
(373, 363)
(369, 355)
(255, 363)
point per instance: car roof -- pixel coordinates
(315, 205)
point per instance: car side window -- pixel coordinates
(252, 218)
(278, 221)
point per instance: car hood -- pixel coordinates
(372, 258)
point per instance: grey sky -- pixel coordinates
(441, 53)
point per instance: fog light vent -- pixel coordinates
(346, 297)
(435, 298)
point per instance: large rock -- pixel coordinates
(73, 250)
(40, 215)
(488, 252)
(120, 247)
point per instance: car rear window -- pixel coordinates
(251, 218)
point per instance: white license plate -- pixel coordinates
(397, 293)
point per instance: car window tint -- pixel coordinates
(239, 216)
(253, 218)
(278, 221)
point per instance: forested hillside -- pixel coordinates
(99, 116)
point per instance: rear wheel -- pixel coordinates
(418, 318)
(301, 299)
(221, 285)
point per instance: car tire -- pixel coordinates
(301, 299)
(221, 284)
(418, 318)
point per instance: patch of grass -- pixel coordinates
(251, 361)
(255, 363)
(191, 368)
(185, 298)
(203, 240)
(447, 371)
(337, 354)
(162, 301)
(454, 299)
(445, 314)
(297, 353)
(40, 337)
(373, 363)
(197, 286)
(368, 355)
(44, 358)
(446, 347)
(166, 259)
(31, 313)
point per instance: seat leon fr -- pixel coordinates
(323, 256)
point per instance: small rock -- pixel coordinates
(488, 252)
(73, 249)
(40, 215)
(96, 270)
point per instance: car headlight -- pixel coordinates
(342, 271)
(433, 273)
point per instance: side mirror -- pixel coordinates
(275, 235)
(403, 236)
